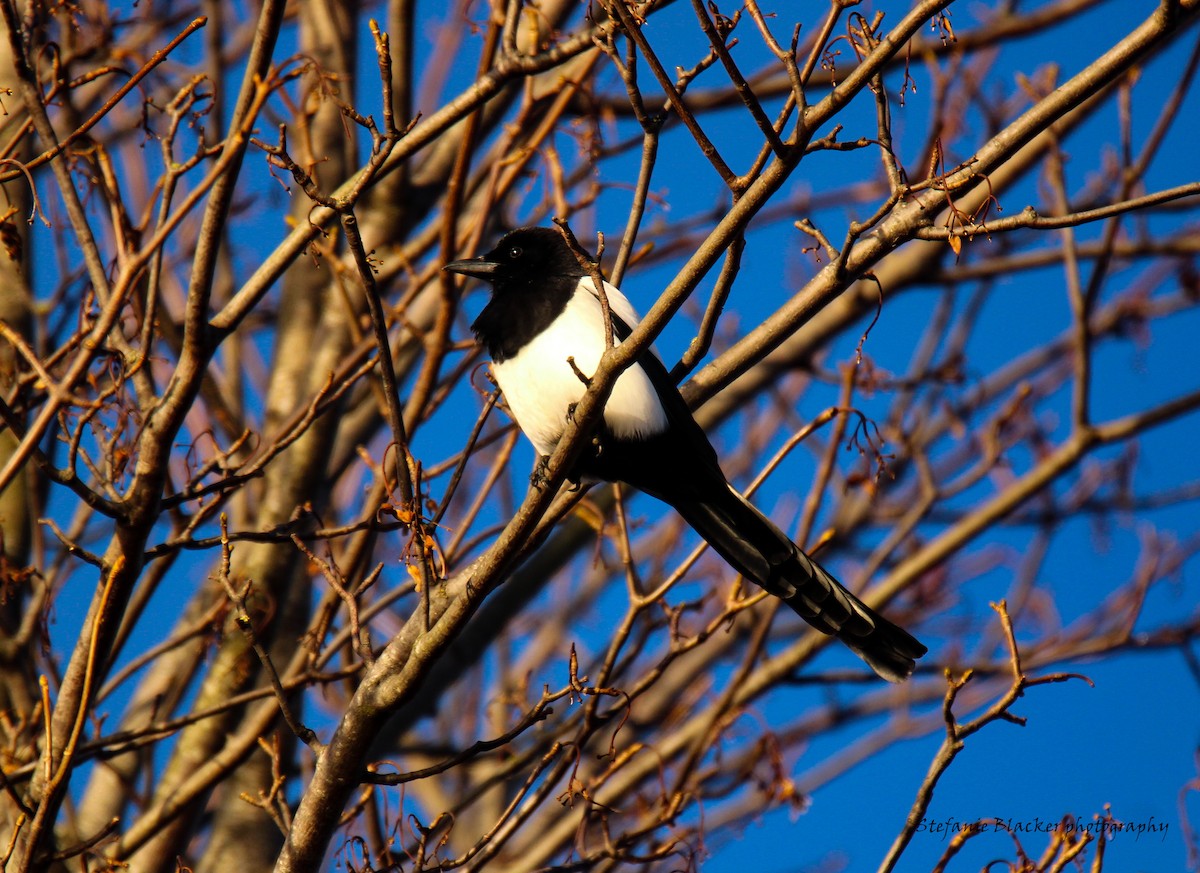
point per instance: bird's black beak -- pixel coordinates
(480, 268)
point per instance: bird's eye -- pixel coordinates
(515, 252)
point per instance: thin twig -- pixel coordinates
(242, 618)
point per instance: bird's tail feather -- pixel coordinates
(753, 545)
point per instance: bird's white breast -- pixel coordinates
(540, 385)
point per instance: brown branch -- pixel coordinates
(56, 148)
(717, 38)
(957, 732)
(619, 11)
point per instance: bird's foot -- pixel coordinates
(538, 477)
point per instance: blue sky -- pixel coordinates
(1129, 741)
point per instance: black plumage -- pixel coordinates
(543, 310)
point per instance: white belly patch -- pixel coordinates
(540, 385)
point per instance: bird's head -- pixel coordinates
(523, 257)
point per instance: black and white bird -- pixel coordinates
(543, 315)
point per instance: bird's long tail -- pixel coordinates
(758, 549)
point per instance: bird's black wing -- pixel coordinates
(674, 464)
(680, 467)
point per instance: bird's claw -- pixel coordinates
(538, 477)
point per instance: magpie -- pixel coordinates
(544, 329)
